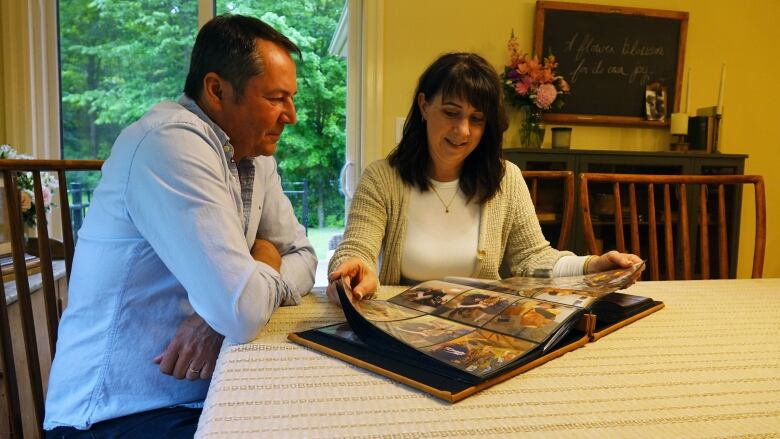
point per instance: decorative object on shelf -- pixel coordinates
(704, 129)
(655, 102)
(679, 125)
(532, 128)
(533, 87)
(719, 108)
(603, 204)
(718, 116)
(561, 137)
(679, 130)
(26, 190)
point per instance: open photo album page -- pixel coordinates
(480, 326)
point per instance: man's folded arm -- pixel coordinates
(279, 225)
(179, 200)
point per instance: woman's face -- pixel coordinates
(454, 129)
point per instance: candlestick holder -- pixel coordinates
(678, 143)
(716, 119)
(679, 130)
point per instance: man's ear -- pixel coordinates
(214, 91)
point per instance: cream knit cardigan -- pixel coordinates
(509, 231)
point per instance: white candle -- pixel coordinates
(719, 110)
(679, 123)
(688, 93)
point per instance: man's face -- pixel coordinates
(255, 123)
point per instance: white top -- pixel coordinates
(440, 243)
(442, 236)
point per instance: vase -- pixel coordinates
(532, 129)
(28, 233)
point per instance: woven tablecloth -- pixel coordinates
(706, 366)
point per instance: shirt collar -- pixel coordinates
(192, 106)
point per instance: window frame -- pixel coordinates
(29, 30)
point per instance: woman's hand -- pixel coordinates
(610, 261)
(360, 276)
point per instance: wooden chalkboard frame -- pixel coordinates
(542, 7)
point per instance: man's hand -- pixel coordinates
(265, 251)
(360, 276)
(192, 354)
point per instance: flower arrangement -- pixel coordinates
(532, 86)
(25, 183)
(529, 82)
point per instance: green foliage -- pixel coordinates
(313, 149)
(119, 58)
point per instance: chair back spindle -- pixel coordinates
(678, 250)
(29, 382)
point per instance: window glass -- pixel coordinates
(311, 153)
(117, 59)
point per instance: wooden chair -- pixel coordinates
(566, 179)
(673, 218)
(24, 375)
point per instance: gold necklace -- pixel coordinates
(446, 205)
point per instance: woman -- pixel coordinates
(445, 203)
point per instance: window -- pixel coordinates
(311, 153)
(117, 59)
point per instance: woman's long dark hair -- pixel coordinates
(469, 77)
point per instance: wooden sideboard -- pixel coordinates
(625, 162)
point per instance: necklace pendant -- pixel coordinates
(446, 205)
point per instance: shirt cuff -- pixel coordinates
(569, 266)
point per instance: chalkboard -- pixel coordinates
(609, 55)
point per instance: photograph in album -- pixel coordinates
(455, 336)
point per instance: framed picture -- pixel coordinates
(655, 102)
(610, 55)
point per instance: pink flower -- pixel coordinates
(46, 196)
(521, 88)
(25, 199)
(545, 95)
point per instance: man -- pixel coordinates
(167, 241)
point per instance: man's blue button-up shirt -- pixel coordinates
(167, 235)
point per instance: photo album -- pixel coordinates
(456, 336)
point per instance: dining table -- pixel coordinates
(707, 365)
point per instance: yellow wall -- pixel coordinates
(744, 34)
